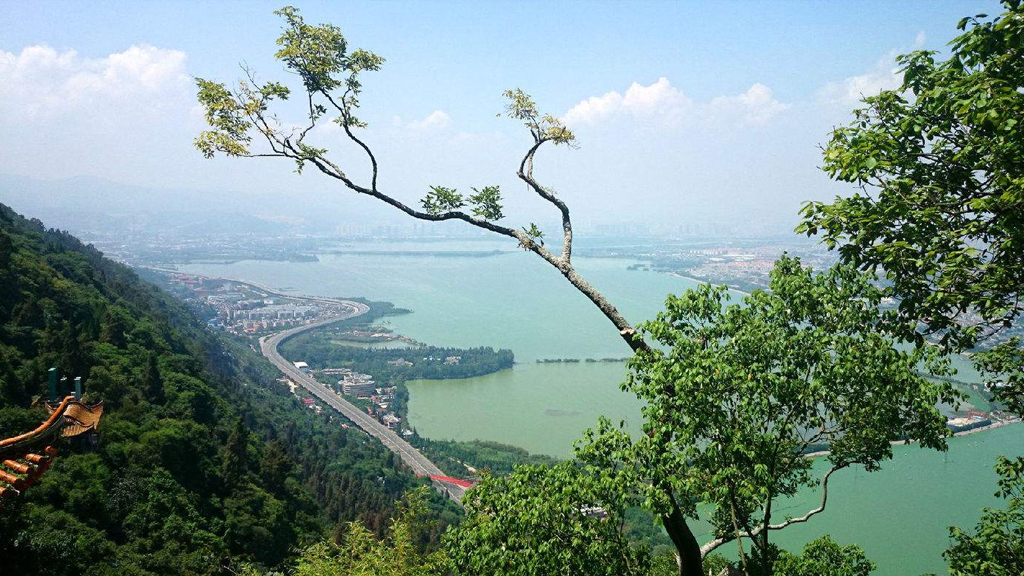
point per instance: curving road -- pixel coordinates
(409, 455)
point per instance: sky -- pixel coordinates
(685, 112)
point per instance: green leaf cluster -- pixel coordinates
(543, 127)
(440, 200)
(226, 115)
(824, 557)
(486, 203)
(543, 520)
(360, 553)
(938, 160)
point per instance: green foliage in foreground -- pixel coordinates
(541, 520)
(360, 553)
(400, 551)
(942, 215)
(941, 211)
(824, 557)
(732, 395)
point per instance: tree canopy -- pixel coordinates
(941, 213)
(563, 519)
(940, 209)
(360, 553)
(734, 397)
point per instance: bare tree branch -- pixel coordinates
(345, 117)
(283, 147)
(714, 544)
(526, 175)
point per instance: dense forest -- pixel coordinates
(203, 460)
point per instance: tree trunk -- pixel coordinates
(687, 548)
(626, 330)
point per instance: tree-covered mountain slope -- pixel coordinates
(202, 459)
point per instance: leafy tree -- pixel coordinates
(153, 384)
(116, 323)
(275, 467)
(941, 212)
(734, 396)
(361, 554)
(235, 463)
(564, 519)
(6, 250)
(331, 76)
(824, 557)
(941, 207)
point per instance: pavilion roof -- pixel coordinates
(26, 457)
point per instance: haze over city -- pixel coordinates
(685, 112)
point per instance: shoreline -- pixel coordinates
(699, 281)
(992, 426)
(413, 343)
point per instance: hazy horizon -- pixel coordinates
(684, 114)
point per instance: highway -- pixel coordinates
(412, 457)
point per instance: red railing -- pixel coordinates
(450, 480)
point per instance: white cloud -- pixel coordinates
(669, 106)
(659, 99)
(849, 92)
(435, 120)
(41, 81)
(756, 106)
(920, 39)
(594, 108)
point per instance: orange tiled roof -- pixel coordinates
(24, 458)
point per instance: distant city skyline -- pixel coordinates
(686, 113)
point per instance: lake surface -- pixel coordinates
(461, 296)
(540, 407)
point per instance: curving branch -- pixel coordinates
(330, 72)
(525, 174)
(714, 544)
(346, 124)
(283, 146)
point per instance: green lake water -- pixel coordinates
(514, 300)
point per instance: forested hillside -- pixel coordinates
(202, 459)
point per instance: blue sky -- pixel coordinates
(685, 111)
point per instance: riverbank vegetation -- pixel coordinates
(396, 365)
(577, 360)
